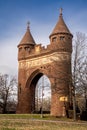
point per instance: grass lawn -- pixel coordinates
(35, 122)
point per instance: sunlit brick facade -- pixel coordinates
(54, 61)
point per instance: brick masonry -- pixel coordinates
(54, 61)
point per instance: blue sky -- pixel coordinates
(43, 15)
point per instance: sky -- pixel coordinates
(43, 16)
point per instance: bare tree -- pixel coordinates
(82, 85)
(78, 56)
(8, 90)
(78, 59)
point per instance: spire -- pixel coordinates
(61, 11)
(60, 26)
(28, 23)
(27, 38)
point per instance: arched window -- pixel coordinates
(54, 39)
(27, 49)
(20, 49)
(62, 38)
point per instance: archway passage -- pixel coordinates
(39, 88)
(31, 85)
(43, 95)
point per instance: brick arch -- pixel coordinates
(35, 75)
(31, 86)
(32, 77)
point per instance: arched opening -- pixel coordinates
(39, 93)
(43, 95)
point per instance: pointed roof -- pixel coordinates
(27, 38)
(60, 27)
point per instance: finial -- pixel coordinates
(28, 23)
(61, 11)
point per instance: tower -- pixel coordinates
(54, 61)
(61, 42)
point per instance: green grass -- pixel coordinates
(35, 122)
(32, 116)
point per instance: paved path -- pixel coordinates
(59, 121)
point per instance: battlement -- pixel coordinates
(27, 51)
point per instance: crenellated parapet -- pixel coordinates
(38, 50)
(25, 52)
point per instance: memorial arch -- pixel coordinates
(54, 61)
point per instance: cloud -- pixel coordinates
(6, 70)
(8, 57)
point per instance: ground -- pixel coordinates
(35, 122)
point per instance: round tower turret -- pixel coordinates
(26, 45)
(61, 36)
(61, 42)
